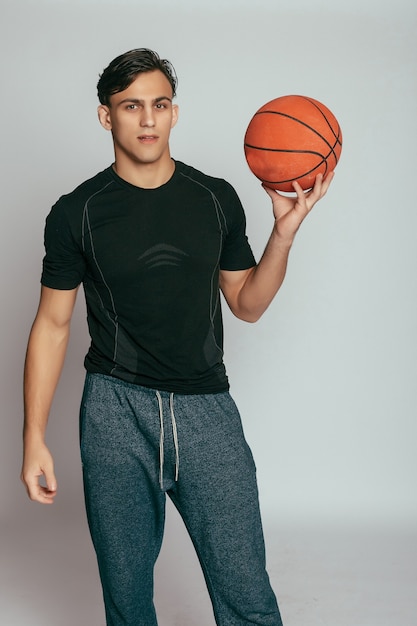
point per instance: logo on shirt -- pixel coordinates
(162, 254)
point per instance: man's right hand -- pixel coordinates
(38, 473)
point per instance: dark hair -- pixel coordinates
(123, 70)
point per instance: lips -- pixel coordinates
(148, 138)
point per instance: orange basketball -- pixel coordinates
(292, 138)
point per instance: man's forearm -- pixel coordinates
(264, 281)
(44, 360)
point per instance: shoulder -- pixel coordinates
(66, 215)
(83, 192)
(197, 177)
(222, 193)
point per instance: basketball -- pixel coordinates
(292, 138)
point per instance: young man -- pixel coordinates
(154, 241)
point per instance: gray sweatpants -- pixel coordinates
(139, 444)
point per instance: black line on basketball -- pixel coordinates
(286, 150)
(298, 177)
(326, 119)
(295, 119)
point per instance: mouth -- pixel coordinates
(148, 138)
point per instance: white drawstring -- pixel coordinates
(174, 431)
(162, 437)
(161, 440)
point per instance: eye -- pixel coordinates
(131, 107)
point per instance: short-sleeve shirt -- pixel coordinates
(149, 262)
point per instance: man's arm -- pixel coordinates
(46, 350)
(250, 292)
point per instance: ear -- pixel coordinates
(175, 113)
(104, 117)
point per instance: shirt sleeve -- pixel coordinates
(63, 264)
(237, 253)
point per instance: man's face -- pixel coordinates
(140, 119)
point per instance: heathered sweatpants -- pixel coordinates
(139, 444)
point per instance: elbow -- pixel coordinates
(248, 316)
(252, 319)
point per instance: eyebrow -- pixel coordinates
(138, 101)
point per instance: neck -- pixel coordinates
(145, 175)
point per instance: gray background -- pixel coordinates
(326, 381)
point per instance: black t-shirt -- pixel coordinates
(149, 262)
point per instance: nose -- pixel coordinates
(148, 116)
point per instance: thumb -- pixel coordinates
(272, 193)
(50, 478)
